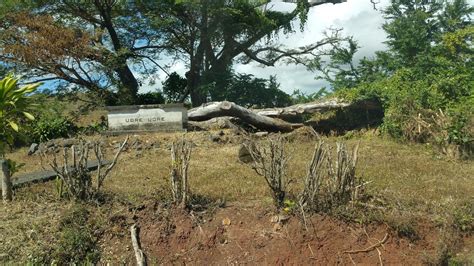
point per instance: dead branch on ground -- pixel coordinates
(139, 255)
(370, 248)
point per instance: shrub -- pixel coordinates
(74, 172)
(14, 105)
(48, 128)
(424, 109)
(75, 242)
(270, 160)
(150, 98)
(331, 181)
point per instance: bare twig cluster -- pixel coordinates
(331, 181)
(343, 183)
(180, 158)
(314, 175)
(270, 160)
(74, 169)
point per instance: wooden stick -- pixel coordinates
(7, 192)
(139, 255)
(372, 247)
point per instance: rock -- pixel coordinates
(33, 148)
(215, 138)
(280, 218)
(244, 154)
(226, 221)
(261, 134)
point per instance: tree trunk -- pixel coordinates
(218, 109)
(197, 97)
(128, 91)
(314, 107)
(272, 119)
(7, 192)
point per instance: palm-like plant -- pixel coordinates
(14, 103)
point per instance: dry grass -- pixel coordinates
(409, 177)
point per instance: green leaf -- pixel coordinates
(13, 125)
(29, 116)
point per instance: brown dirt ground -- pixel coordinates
(408, 176)
(177, 237)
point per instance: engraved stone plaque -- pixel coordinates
(142, 118)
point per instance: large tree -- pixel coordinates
(211, 34)
(89, 43)
(96, 44)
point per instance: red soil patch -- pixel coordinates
(178, 237)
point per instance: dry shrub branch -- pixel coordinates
(329, 181)
(180, 158)
(314, 175)
(270, 160)
(74, 169)
(343, 184)
(437, 127)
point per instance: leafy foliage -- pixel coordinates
(174, 88)
(248, 91)
(425, 79)
(76, 241)
(100, 46)
(152, 97)
(301, 97)
(48, 128)
(14, 107)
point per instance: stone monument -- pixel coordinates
(144, 118)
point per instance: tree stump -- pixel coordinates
(7, 192)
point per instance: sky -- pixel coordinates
(357, 18)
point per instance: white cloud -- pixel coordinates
(357, 17)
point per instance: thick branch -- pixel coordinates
(305, 108)
(218, 109)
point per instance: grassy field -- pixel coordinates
(409, 185)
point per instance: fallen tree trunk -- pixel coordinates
(313, 107)
(225, 108)
(269, 119)
(223, 122)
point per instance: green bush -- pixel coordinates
(151, 98)
(48, 128)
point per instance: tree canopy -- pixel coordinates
(112, 45)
